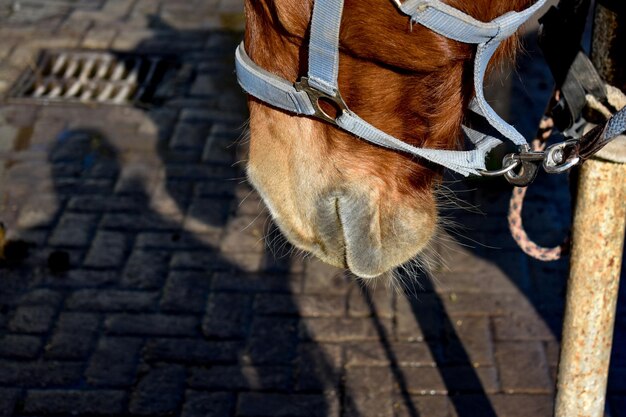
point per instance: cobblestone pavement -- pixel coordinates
(143, 277)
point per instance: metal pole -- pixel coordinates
(598, 242)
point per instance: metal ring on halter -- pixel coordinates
(502, 171)
(318, 97)
(554, 162)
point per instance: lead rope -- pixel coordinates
(516, 204)
(617, 100)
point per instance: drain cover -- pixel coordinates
(101, 77)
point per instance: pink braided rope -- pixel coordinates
(517, 203)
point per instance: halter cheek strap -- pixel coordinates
(304, 96)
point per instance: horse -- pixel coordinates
(352, 204)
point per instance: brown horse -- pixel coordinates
(348, 202)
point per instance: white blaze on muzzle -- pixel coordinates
(305, 96)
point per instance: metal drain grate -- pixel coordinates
(99, 77)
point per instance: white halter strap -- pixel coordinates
(321, 84)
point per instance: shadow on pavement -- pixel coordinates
(147, 287)
(547, 217)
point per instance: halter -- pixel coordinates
(306, 95)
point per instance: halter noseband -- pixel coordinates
(304, 96)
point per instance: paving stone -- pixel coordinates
(220, 151)
(256, 282)
(450, 380)
(32, 319)
(112, 300)
(81, 278)
(485, 304)
(73, 336)
(69, 186)
(114, 362)
(19, 115)
(523, 368)
(88, 203)
(503, 405)
(272, 341)
(152, 324)
(236, 378)
(8, 401)
(186, 292)
(320, 306)
(208, 404)
(167, 241)
(342, 330)
(99, 38)
(422, 405)
(552, 350)
(284, 405)
(276, 304)
(397, 354)
(140, 222)
(368, 392)
(39, 373)
(249, 262)
(194, 351)
(325, 279)
(39, 211)
(73, 230)
(41, 296)
(196, 114)
(146, 269)
(189, 136)
(487, 279)
(108, 250)
(250, 204)
(318, 367)
(207, 215)
(102, 402)
(20, 346)
(358, 404)
(469, 339)
(521, 327)
(204, 85)
(419, 318)
(378, 301)
(159, 391)
(220, 189)
(201, 172)
(244, 234)
(198, 260)
(227, 315)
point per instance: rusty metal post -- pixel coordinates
(598, 242)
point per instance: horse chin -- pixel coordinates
(353, 229)
(373, 236)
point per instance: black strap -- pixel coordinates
(575, 76)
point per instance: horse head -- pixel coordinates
(351, 203)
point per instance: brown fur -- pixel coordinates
(408, 81)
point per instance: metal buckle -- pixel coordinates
(398, 3)
(318, 97)
(508, 165)
(553, 159)
(527, 162)
(555, 162)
